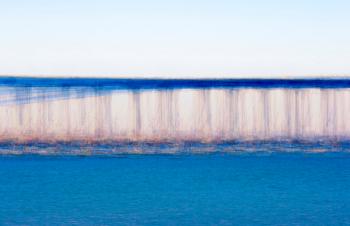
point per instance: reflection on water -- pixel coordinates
(91, 114)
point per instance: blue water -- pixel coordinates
(185, 189)
(137, 84)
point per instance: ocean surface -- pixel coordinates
(256, 188)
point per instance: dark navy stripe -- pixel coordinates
(111, 83)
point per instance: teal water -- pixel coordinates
(183, 189)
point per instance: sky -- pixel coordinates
(178, 38)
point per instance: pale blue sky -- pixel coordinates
(179, 38)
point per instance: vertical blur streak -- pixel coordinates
(68, 114)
